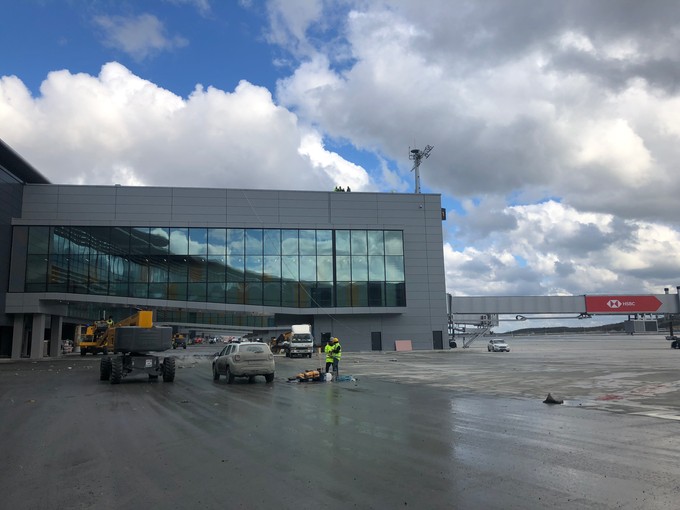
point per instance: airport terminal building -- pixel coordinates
(365, 267)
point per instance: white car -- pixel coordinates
(245, 359)
(497, 345)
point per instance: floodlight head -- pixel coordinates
(415, 151)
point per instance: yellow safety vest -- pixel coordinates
(333, 352)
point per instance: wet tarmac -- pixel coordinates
(460, 428)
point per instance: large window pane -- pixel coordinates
(342, 242)
(272, 242)
(395, 294)
(376, 295)
(289, 242)
(343, 294)
(359, 269)
(343, 269)
(324, 242)
(394, 244)
(394, 269)
(253, 293)
(289, 294)
(272, 268)
(177, 290)
(216, 292)
(217, 241)
(177, 268)
(376, 244)
(99, 274)
(38, 240)
(324, 269)
(120, 241)
(307, 268)
(236, 265)
(119, 276)
(253, 241)
(217, 268)
(179, 241)
(359, 294)
(253, 268)
(307, 242)
(158, 291)
(198, 241)
(139, 241)
(139, 290)
(272, 294)
(376, 268)
(323, 295)
(198, 269)
(158, 268)
(305, 299)
(196, 291)
(289, 268)
(59, 242)
(78, 274)
(235, 241)
(36, 273)
(359, 244)
(236, 293)
(57, 273)
(159, 241)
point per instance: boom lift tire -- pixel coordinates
(105, 369)
(169, 369)
(116, 369)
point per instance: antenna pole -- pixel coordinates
(417, 156)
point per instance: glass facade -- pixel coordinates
(301, 268)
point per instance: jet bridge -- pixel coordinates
(474, 316)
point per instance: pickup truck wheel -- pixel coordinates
(216, 374)
(169, 369)
(230, 376)
(116, 370)
(269, 377)
(105, 369)
(184, 346)
(309, 355)
(83, 352)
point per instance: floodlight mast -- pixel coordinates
(417, 156)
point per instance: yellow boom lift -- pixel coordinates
(133, 342)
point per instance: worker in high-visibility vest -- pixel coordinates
(333, 354)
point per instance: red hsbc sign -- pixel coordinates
(622, 304)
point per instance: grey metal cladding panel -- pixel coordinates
(194, 209)
(81, 211)
(143, 192)
(199, 194)
(518, 304)
(142, 219)
(250, 195)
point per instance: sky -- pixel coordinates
(555, 126)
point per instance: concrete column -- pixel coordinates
(17, 335)
(37, 335)
(56, 323)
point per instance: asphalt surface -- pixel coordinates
(461, 428)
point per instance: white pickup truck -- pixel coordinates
(301, 341)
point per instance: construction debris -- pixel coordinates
(552, 400)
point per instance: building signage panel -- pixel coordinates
(622, 304)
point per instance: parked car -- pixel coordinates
(498, 345)
(245, 359)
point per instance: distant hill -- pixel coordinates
(617, 327)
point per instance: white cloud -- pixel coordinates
(139, 36)
(119, 128)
